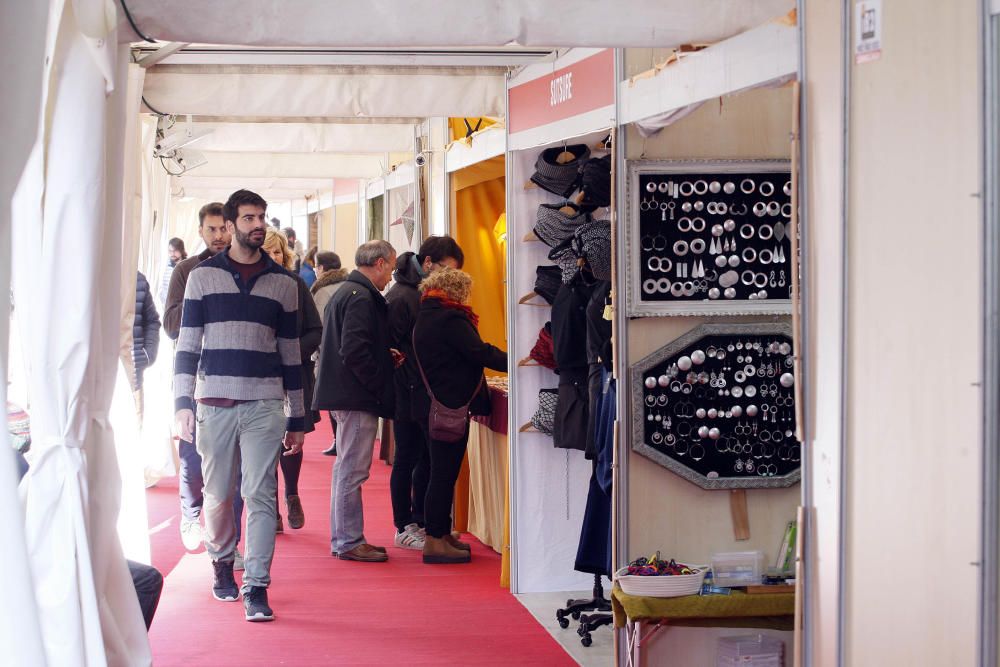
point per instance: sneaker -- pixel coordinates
(279, 527)
(224, 588)
(296, 515)
(255, 605)
(409, 538)
(238, 560)
(191, 534)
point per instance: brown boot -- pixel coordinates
(439, 551)
(296, 516)
(457, 543)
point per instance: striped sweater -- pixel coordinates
(240, 341)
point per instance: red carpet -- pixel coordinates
(333, 612)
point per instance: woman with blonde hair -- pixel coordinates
(310, 334)
(451, 357)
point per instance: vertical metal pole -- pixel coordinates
(989, 50)
(513, 241)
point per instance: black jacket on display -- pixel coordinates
(355, 365)
(453, 357)
(404, 304)
(145, 330)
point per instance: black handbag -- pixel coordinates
(444, 423)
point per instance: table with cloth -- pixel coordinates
(482, 498)
(737, 610)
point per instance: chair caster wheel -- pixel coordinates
(576, 616)
(587, 641)
(563, 623)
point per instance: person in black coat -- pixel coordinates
(411, 464)
(355, 381)
(145, 330)
(452, 356)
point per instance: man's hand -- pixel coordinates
(397, 357)
(184, 424)
(293, 442)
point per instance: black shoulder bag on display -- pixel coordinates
(444, 423)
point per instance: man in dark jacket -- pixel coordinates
(408, 483)
(354, 380)
(145, 331)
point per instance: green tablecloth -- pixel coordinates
(736, 610)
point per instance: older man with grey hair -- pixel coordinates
(354, 381)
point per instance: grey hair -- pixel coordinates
(370, 252)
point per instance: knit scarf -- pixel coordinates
(448, 302)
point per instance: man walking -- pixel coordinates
(355, 381)
(217, 237)
(238, 362)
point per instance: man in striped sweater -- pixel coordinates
(237, 363)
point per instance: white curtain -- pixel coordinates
(67, 284)
(22, 41)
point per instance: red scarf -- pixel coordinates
(448, 302)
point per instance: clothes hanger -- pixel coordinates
(528, 428)
(571, 207)
(531, 236)
(528, 361)
(525, 300)
(565, 157)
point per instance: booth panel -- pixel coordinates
(325, 241)
(752, 125)
(913, 460)
(345, 239)
(549, 485)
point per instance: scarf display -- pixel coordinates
(451, 303)
(559, 179)
(596, 182)
(553, 226)
(547, 279)
(543, 351)
(592, 242)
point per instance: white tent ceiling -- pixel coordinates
(305, 137)
(218, 188)
(387, 23)
(292, 165)
(323, 91)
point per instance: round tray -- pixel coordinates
(664, 586)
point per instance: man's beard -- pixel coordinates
(247, 242)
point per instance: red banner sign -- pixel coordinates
(581, 87)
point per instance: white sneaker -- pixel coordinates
(191, 535)
(410, 538)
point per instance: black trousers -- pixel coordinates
(291, 467)
(410, 471)
(446, 463)
(148, 584)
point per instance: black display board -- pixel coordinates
(717, 406)
(709, 237)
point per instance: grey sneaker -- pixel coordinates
(224, 588)
(410, 538)
(191, 534)
(237, 560)
(255, 605)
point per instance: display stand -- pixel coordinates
(567, 102)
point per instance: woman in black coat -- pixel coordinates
(452, 356)
(310, 333)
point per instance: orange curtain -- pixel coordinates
(479, 209)
(459, 130)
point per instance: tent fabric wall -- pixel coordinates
(22, 40)
(88, 613)
(478, 209)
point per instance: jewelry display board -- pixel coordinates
(717, 407)
(709, 237)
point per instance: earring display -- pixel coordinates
(717, 406)
(741, 223)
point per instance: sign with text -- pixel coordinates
(867, 31)
(584, 86)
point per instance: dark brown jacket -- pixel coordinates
(175, 294)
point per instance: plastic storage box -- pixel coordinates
(750, 651)
(739, 568)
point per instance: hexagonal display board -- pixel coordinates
(717, 407)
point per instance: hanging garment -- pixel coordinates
(547, 282)
(545, 414)
(553, 226)
(569, 325)
(595, 181)
(572, 411)
(598, 356)
(592, 243)
(593, 553)
(542, 351)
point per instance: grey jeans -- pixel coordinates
(257, 428)
(355, 445)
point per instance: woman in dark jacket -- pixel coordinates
(452, 356)
(310, 333)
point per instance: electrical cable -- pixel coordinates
(135, 28)
(151, 108)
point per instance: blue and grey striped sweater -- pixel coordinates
(240, 341)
